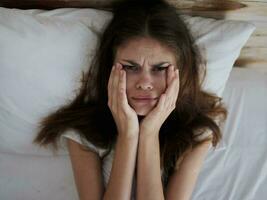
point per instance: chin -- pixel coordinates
(142, 112)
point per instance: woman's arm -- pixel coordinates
(86, 167)
(149, 184)
(182, 181)
(88, 173)
(120, 183)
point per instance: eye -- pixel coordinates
(130, 67)
(158, 69)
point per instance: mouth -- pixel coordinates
(144, 100)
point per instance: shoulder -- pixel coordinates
(203, 134)
(194, 156)
(73, 135)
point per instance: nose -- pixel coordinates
(145, 81)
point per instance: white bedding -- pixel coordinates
(236, 172)
(239, 172)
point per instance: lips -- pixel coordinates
(144, 100)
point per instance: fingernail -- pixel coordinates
(118, 66)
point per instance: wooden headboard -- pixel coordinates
(253, 55)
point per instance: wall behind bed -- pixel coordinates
(253, 55)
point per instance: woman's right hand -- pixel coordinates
(125, 117)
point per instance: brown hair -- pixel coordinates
(195, 108)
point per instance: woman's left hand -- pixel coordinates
(155, 118)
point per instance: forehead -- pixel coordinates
(145, 50)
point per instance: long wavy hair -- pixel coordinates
(88, 111)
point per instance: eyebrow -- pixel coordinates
(155, 65)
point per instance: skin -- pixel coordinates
(135, 74)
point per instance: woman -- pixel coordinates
(140, 119)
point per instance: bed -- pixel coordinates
(236, 170)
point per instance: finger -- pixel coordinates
(161, 103)
(176, 88)
(174, 85)
(172, 91)
(115, 84)
(110, 82)
(122, 89)
(110, 78)
(170, 74)
(178, 83)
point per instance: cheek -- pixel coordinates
(163, 86)
(130, 82)
(161, 82)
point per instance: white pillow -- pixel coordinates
(43, 53)
(220, 43)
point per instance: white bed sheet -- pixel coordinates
(239, 172)
(236, 172)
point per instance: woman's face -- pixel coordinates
(146, 62)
